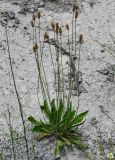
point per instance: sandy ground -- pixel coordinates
(96, 21)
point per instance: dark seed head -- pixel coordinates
(35, 47)
(74, 8)
(32, 24)
(57, 27)
(34, 17)
(39, 15)
(76, 14)
(67, 27)
(53, 26)
(81, 39)
(46, 36)
(60, 30)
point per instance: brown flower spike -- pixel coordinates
(32, 24)
(67, 27)
(76, 14)
(35, 47)
(39, 15)
(60, 30)
(74, 8)
(81, 39)
(46, 36)
(57, 28)
(34, 17)
(53, 26)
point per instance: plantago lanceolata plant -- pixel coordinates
(61, 120)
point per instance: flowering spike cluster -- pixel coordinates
(56, 28)
(38, 15)
(75, 10)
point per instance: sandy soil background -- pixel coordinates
(96, 21)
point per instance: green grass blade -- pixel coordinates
(60, 110)
(54, 113)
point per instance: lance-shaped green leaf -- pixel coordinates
(33, 120)
(45, 109)
(53, 116)
(60, 110)
(79, 144)
(80, 118)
